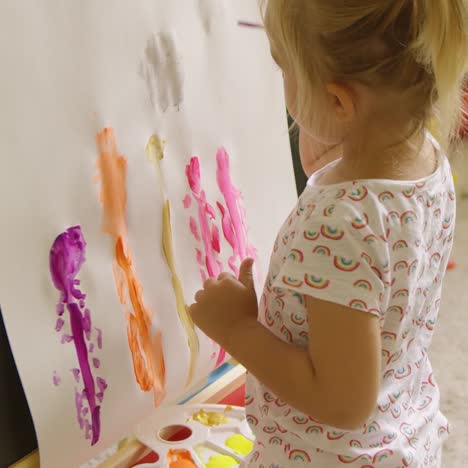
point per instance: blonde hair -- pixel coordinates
(418, 48)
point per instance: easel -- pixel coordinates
(130, 450)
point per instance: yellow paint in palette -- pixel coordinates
(221, 461)
(239, 444)
(210, 418)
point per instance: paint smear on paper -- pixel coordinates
(155, 153)
(56, 379)
(210, 14)
(210, 418)
(232, 223)
(145, 344)
(206, 231)
(239, 444)
(67, 256)
(221, 461)
(162, 72)
(207, 255)
(179, 458)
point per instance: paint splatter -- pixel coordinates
(239, 444)
(162, 72)
(145, 345)
(56, 379)
(187, 202)
(155, 153)
(66, 258)
(205, 230)
(180, 458)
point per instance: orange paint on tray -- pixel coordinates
(178, 458)
(146, 347)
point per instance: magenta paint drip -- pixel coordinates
(74, 322)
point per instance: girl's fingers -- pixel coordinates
(209, 283)
(199, 296)
(225, 275)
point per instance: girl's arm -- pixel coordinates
(335, 380)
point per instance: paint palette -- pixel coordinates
(212, 436)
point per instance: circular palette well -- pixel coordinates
(214, 436)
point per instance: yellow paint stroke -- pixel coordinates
(210, 418)
(239, 444)
(146, 349)
(155, 153)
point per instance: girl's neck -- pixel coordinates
(379, 154)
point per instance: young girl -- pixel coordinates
(339, 372)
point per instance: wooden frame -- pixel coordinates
(131, 450)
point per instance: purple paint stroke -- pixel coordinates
(56, 379)
(59, 324)
(67, 256)
(76, 374)
(99, 338)
(101, 383)
(66, 339)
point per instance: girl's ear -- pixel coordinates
(342, 101)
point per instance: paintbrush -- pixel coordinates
(248, 24)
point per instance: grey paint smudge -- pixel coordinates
(162, 71)
(210, 13)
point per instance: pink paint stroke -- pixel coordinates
(187, 202)
(206, 219)
(66, 258)
(234, 220)
(194, 229)
(233, 223)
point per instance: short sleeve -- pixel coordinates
(338, 255)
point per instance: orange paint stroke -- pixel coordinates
(146, 349)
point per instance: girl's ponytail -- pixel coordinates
(441, 46)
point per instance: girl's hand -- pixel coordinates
(224, 304)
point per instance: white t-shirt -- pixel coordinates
(380, 247)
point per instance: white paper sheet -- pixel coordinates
(182, 70)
